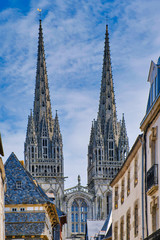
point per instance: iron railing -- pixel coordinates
(152, 176)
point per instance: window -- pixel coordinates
(122, 192)
(79, 215)
(154, 218)
(22, 209)
(122, 229)
(110, 149)
(72, 227)
(152, 143)
(82, 227)
(116, 198)
(14, 209)
(76, 227)
(135, 172)
(136, 220)
(128, 226)
(154, 213)
(116, 232)
(128, 183)
(45, 148)
(18, 184)
(109, 202)
(99, 208)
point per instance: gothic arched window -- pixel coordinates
(32, 149)
(45, 148)
(109, 202)
(79, 215)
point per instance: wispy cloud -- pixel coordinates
(74, 39)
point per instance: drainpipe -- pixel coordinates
(145, 167)
(142, 142)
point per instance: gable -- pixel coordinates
(21, 188)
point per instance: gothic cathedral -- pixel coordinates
(43, 150)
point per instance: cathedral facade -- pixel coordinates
(107, 149)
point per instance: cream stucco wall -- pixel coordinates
(129, 199)
(151, 198)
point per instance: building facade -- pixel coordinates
(142, 207)
(107, 150)
(2, 191)
(150, 126)
(127, 197)
(29, 213)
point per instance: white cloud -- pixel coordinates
(73, 36)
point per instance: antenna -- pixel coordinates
(39, 10)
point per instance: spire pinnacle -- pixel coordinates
(107, 106)
(42, 104)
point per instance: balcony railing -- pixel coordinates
(152, 179)
(154, 236)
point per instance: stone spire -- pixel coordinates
(105, 145)
(31, 137)
(30, 145)
(57, 147)
(123, 144)
(107, 106)
(57, 137)
(43, 146)
(91, 134)
(42, 104)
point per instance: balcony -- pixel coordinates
(154, 236)
(152, 180)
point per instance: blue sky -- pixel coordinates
(74, 34)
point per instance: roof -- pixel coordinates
(62, 216)
(107, 223)
(29, 192)
(93, 227)
(109, 233)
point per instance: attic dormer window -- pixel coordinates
(18, 184)
(14, 209)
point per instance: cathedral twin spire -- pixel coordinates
(42, 104)
(108, 144)
(43, 145)
(106, 157)
(107, 106)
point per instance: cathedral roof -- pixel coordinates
(21, 187)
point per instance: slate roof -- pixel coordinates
(29, 193)
(109, 233)
(107, 222)
(93, 227)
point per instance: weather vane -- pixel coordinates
(39, 10)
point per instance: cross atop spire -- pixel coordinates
(40, 11)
